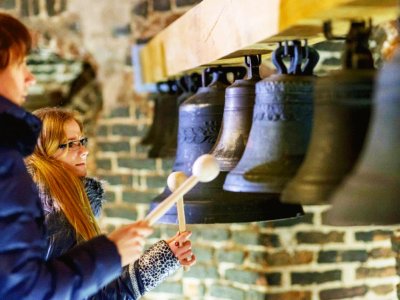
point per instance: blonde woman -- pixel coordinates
(71, 202)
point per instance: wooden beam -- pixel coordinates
(228, 29)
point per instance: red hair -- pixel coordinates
(15, 41)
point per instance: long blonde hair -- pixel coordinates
(56, 178)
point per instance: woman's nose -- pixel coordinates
(30, 78)
(83, 151)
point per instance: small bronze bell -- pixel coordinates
(148, 139)
(189, 84)
(370, 194)
(208, 202)
(200, 119)
(167, 117)
(342, 107)
(281, 124)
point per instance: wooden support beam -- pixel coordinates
(227, 29)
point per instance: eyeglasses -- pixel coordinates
(74, 145)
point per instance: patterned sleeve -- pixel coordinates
(153, 267)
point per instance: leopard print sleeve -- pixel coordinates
(156, 264)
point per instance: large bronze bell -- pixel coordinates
(208, 202)
(281, 126)
(371, 193)
(342, 107)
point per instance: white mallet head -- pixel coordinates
(175, 179)
(205, 168)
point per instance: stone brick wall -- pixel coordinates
(301, 259)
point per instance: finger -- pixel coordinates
(183, 236)
(188, 261)
(143, 231)
(185, 254)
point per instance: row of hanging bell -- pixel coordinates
(208, 202)
(342, 106)
(370, 194)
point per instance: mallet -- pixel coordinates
(205, 169)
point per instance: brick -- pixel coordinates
(114, 146)
(316, 237)
(142, 149)
(125, 130)
(383, 289)
(167, 164)
(342, 256)
(180, 3)
(102, 130)
(110, 196)
(306, 219)
(156, 182)
(233, 256)
(364, 272)
(244, 276)
(203, 254)
(293, 295)
(120, 112)
(245, 237)
(382, 253)
(227, 292)
(375, 235)
(343, 293)
(141, 9)
(161, 5)
(104, 164)
(138, 197)
(269, 240)
(215, 235)
(118, 179)
(202, 272)
(120, 212)
(132, 163)
(306, 278)
(284, 258)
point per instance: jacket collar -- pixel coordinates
(19, 129)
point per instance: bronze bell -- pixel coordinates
(200, 118)
(166, 116)
(208, 202)
(281, 124)
(370, 194)
(189, 85)
(342, 107)
(148, 139)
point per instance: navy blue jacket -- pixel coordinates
(24, 273)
